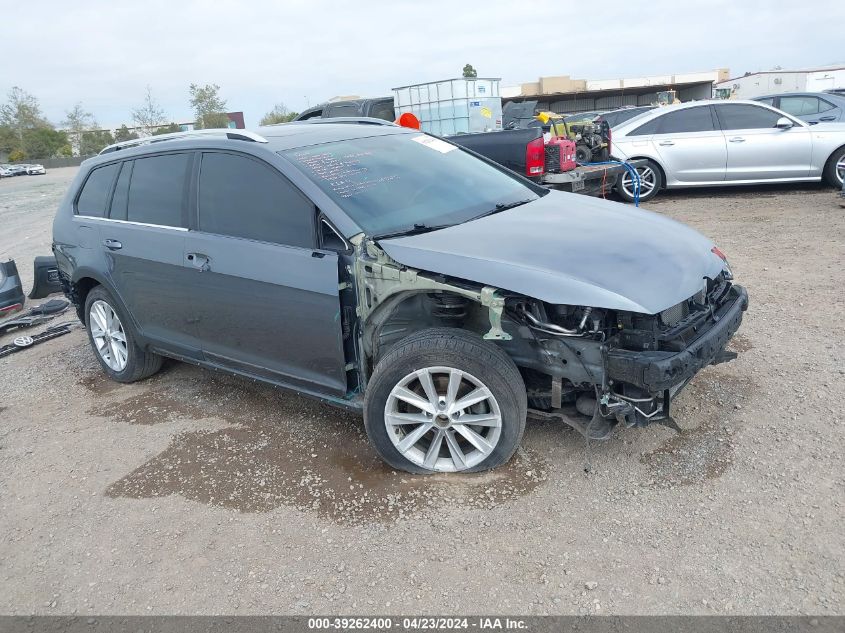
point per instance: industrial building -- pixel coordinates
(563, 94)
(769, 82)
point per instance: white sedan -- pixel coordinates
(718, 143)
(34, 170)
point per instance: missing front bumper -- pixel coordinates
(657, 372)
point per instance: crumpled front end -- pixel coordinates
(600, 367)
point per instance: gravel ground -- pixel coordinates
(196, 492)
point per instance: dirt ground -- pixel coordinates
(199, 493)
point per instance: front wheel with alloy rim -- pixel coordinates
(444, 401)
(834, 171)
(650, 182)
(113, 341)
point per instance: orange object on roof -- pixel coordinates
(408, 120)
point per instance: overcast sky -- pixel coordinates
(297, 52)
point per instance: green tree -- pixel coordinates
(43, 142)
(21, 112)
(78, 120)
(93, 141)
(149, 117)
(208, 106)
(279, 114)
(166, 129)
(123, 133)
(8, 140)
(469, 71)
(213, 121)
(17, 155)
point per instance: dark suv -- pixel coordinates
(394, 273)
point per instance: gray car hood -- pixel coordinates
(570, 249)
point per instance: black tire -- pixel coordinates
(140, 364)
(652, 170)
(451, 348)
(831, 175)
(583, 154)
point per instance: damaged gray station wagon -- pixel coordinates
(393, 273)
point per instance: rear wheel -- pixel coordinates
(113, 341)
(651, 180)
(834, 171)
(445, 400)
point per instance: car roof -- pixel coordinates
(303, 133)
(281, 137)
(659, 111)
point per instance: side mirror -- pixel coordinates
(784, 124)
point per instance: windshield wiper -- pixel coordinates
(503, 206)
(415, 230)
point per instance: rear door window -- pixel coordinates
(157, 190)
(95, 192)
(687, 120)
(244, 197)
(746, 117)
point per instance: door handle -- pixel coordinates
(737, 139)
(112, 245)
(667, 143)
(827, 118)
(199, 261)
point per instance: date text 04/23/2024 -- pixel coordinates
(417, 623)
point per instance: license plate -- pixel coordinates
(577, 185)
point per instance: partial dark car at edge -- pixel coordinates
(395, 274)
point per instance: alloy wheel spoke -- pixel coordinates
(458, 457)
(406, 395)
(115, 354)
(120, 353)
(118, 335)
(104, 317)
(97, 317)
(479, 419)
(455, 378)
(413, 437)
(434, 449)
(398, 419)
(428, 387)
(475, 396)
(473, 438)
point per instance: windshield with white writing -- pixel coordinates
(402, 182)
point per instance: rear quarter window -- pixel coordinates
(95, 193)
(649, 127)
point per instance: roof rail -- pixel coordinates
(361, 120)
(236, 135)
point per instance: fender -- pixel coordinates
(86, 272)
